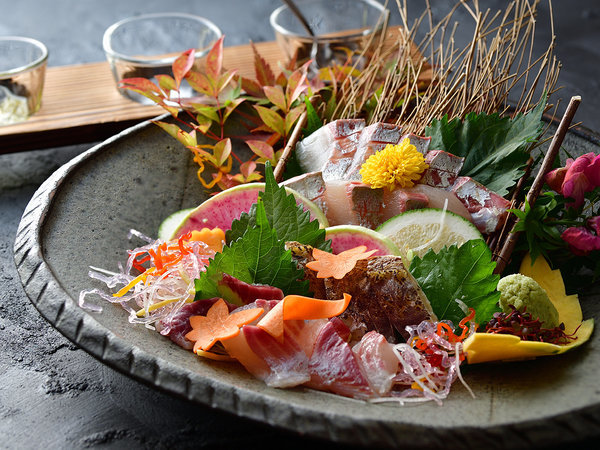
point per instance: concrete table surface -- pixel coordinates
(53, 394)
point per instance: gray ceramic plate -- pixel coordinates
(80, 217)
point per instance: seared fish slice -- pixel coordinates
(385, 296)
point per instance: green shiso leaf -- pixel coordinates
(289, 220)
(313, 121)
(494, 148)
(464, 273)
(259, 257)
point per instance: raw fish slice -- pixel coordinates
(314, 151)
(310, 185)
(342, 155)
(401, 200)
(353, 203)
(379, 363)
(243, 293)
(443, 170)
(333, 366)
(488, 210)
(420, 142)
(287, 362)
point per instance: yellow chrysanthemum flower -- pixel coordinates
(399, 165)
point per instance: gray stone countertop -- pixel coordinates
(53, 394)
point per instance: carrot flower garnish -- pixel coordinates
(337, 266)
(218, 325)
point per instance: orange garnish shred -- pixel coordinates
(337, 266)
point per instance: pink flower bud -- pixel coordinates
(555, 179)
(581, 240)
(576, 183)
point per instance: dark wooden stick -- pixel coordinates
(287, 151)
(511, 240)
(300, 16)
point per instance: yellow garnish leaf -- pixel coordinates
(396, 165)
(486, 347)
(215, 238)
(337, 266)
(568, 307)
(218, 325)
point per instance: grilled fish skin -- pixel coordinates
(385, 296)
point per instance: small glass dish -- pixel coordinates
(22, 72)
(145, 46)
(339, 27)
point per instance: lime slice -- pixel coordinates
(167, 228)
(418, 230)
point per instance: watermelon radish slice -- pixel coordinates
(345, 237)
(222, 209)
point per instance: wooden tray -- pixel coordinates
(81, 103)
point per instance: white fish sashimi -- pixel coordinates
(330, 142)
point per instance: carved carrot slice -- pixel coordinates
(219, 325)
(297, 307)
(337, 266)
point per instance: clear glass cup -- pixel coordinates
(337, 25)
(22, 72)
(146, 45)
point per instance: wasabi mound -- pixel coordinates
(524, 293)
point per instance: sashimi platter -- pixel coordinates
(379, 230)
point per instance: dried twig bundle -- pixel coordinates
(428, 79)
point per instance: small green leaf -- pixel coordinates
(276, 96)
(292, 117)
(222, 150)
(203, 123)
(271, 119)
(313, 121)
(464, 273)
(166, 82)
(170, 128)
(262, 149)
(231, 106)
(200, 83)
(206, 111)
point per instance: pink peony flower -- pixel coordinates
(583, 240)
(576, 178)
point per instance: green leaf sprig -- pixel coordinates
(494, 147)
